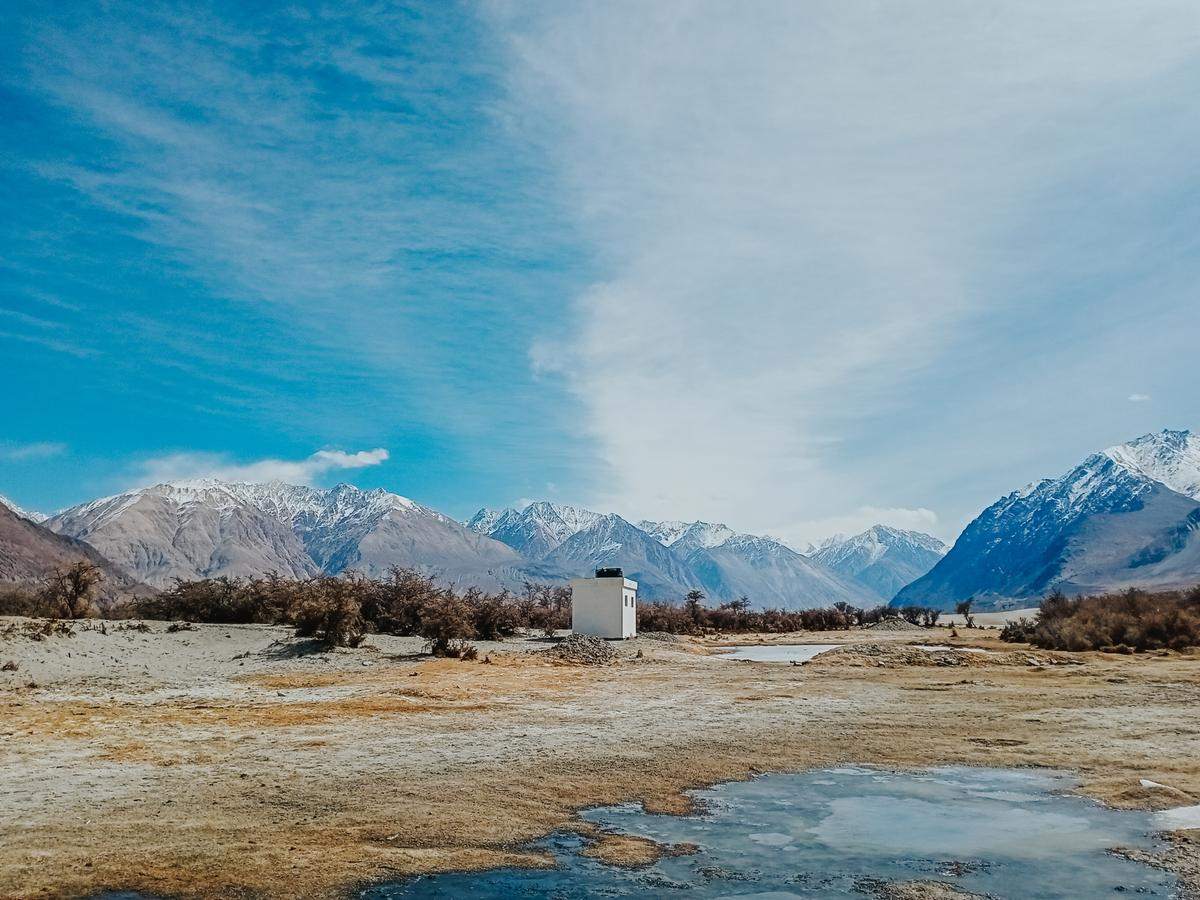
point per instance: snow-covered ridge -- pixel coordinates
(29, 514)
(692, 534)
(288, 503)
(1171, 458)
(873, 544)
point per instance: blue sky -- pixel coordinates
(795, 266)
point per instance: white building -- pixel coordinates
(604, 606)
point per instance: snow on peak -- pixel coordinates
(488, 520)
(29, 514)
(288, 503)
(1171, 458)
(874, 543)
(690, 534)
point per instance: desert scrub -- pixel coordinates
(1121, 623)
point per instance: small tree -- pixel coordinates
(964, 609)
(446, 622)
(332, 613)
(73, 591)
(692, 602)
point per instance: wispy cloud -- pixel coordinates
(804, 210)
(180, 466)
(312, 166)
(24, 452)
(1138, 398)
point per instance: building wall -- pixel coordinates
(604, 607)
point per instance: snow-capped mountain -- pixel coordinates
(204, 528)
(612, 541)
(670, 558)
(688, 535)
(881, 559)
(537, 529)
(29, 514)
(1125, 516)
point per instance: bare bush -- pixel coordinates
(1121, 623)
(332, 612)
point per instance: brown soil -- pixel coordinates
(284, 777)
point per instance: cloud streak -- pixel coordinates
(185, 466)
(804, 210)
(34, 451)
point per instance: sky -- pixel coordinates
(794, 266)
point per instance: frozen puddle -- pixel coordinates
(832, 833)
(779, 652)
(798, 653)
(1178, 819)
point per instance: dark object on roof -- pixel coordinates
(610, 572)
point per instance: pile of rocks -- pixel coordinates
(583, 650)
(895, 625)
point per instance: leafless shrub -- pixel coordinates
(446, 621)
(332, 612)
(1117, 623)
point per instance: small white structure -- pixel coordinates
(604, 606)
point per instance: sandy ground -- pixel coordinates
(233, 761)
(990, 619)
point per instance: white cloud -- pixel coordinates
(1138, 398)
(180, 466)
(800, 209)
(25, 452)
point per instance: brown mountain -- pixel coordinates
(29, 553)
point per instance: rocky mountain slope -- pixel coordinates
(536, 530)
(29, 553)
(206, 528)
(1129, 515)
(882, 559)
(668, 559)
(23, 513)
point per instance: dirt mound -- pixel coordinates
(583, 650)
(664, 636)
(895, 625)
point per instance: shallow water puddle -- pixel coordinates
(842, 832)
(779, 652)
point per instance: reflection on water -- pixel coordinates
(836, 832)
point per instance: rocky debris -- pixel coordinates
(665, 636)
(913, 890)
(895, 625)
(890, 656)
(583, 650)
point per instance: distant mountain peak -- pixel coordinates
(882, 558)
(687, 534)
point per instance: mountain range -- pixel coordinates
(204, 528)
(1129, 515)
(669, 558)
(1126, 516)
